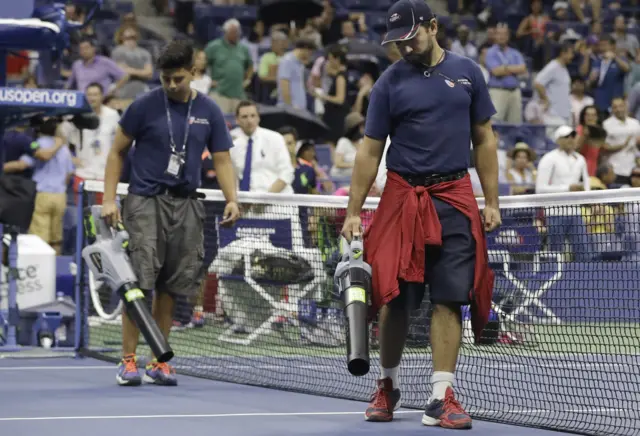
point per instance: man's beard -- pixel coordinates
(421, 59)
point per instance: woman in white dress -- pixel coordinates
(522, 172)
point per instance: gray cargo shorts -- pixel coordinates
(166, 242)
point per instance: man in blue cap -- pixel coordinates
(427, 229)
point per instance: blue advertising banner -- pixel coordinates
(40, 99)
(278, 232)
(589, 292)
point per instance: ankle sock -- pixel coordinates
(392, 373)
(440, 381)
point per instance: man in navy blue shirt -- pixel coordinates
(171, 127)
(432, 104)
(16, 144)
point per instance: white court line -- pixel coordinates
(53, 368)
(285, 414)
(213, 415)
(536, 411)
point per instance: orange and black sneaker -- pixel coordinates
(383, 402)
(128, 374)
(160, 374)
(446, 413)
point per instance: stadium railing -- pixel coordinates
(561, 350)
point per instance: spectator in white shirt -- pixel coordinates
(553, 85)
(201, 80)
(92, 146)
(522, 174)
(262, 162)
(462, 45)
(267, 168)
(535, 111)
(625, 41)
(346, 147)
(579, 100)
(621, 145)
(564, 170)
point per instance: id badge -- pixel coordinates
(175, 165)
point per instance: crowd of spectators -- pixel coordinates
(568, 71)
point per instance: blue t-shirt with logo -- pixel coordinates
(428, 114)
(304, 178)
(145, 120)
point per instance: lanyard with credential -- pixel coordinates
(170, 125)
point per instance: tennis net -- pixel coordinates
(561, 351)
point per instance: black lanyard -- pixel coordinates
(170, 125)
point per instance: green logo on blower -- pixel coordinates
(356, 294)
(133, 294)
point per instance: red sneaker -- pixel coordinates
(383, 402)
(447, 413)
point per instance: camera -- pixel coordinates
(48, 125)
(45, 126)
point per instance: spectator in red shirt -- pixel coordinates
(590, 137)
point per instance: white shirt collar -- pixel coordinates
(238, 133)
(564, 153)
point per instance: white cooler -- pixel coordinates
(37, 273)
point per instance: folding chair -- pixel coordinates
(283, 234)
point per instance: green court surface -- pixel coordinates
(600, 339)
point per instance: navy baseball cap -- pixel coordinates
(404, 19)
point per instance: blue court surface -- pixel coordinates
(79, 396)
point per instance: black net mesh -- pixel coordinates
(560, 352)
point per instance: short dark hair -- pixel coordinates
(288, 130)
(338, 51)
(96, 85)
(177, 54)
(565, 47)
(619, 97)
(305, 43)
(305, 145)
(245, 103)
(49, 127)
(88, 39)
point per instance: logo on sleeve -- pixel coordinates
(449, 83)
(464, 82)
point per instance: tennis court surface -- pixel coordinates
(79, 396)
(561, 351)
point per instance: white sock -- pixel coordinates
(392, 373)
(440, 381)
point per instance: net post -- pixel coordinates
(79, 282)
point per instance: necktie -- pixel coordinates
(245, 183)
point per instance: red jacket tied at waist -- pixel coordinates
(405, 221)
